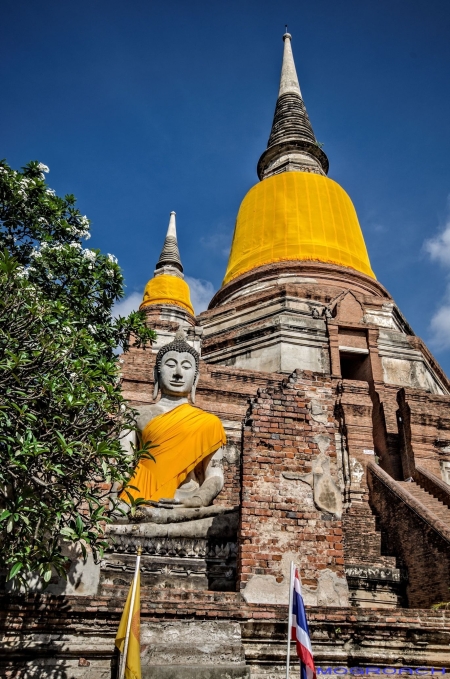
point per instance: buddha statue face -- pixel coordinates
(177, 374)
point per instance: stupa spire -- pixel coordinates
(170, 255)
(289, 79)
(292, 145)
(168, 287)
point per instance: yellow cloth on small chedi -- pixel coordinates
(168, 287)
(183, 437)
(165, 289)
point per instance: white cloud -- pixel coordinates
(439, 247)
(201, 293)
(440, 327)
(127, 305)
(218, 240)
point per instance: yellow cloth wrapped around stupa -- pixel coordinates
(297, 216)
(184, 437)
(166, 289)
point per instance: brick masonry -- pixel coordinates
(282, 431)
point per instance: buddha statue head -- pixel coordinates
(177, 369)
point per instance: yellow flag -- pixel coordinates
(133, 659)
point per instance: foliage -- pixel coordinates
(61, 408)
(441, 605)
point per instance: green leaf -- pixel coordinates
(15, 569)
(62, 411)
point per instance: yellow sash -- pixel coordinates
(184, 436)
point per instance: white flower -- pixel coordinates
(42, 220)
(72, 375)
(36, 254)
(110, 272)
(22, 273)
(67, 330)
(76, 245)
(89, 254)
(83, 227)
(31, 269)
(3, 170)
(43, 168)
(54, 248)
(91, 329)
(112, 259)
(50, 192)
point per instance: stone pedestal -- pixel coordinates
(189, 555)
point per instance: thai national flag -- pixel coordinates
(300, 631)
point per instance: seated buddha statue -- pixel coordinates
(187, 471)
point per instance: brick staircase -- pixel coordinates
(415, 520)
(438, 508)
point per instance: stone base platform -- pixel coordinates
(213, 635)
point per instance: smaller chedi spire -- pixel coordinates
(167, 287)
(292, 145)
(170, 255)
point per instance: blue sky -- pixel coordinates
(143, 107)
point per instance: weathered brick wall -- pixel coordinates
(362, 541)
(424, 430)
(385, 428)
(282, 433)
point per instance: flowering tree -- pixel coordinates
(61, 408)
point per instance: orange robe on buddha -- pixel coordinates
(184, 437)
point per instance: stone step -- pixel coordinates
(434, 505)
(196, 672)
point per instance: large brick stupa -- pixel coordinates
(337, 419)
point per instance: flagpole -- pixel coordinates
(288, 656)
(130, 615)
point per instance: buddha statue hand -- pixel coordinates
(205, 494)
